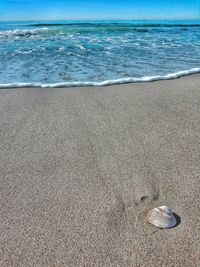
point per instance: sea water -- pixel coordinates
(76, 53)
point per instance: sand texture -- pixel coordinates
(80, 168)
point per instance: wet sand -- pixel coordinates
(80, 167)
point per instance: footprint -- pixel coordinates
(143, 199)
(146, 195)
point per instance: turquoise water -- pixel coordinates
(49, 53)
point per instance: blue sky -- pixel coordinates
(98, 9)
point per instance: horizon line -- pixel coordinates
(170, 19)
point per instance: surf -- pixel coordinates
(169, 76)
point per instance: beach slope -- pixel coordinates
(80, 168)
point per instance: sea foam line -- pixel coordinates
(104, 83)
(21, 33)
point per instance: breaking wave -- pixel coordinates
(22, 33)
(105, 83)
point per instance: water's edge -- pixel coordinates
(104, 83)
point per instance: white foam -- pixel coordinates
(81, 47)
(21, 33)
(104, 83)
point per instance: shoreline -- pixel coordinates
(122, 81)
(81, 167)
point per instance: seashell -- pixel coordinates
(162, 217)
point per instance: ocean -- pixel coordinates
(78, 53)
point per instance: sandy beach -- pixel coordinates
(80, 167)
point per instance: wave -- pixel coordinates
(114, 24)
(21, 33)
(80, 27)
(104, 83)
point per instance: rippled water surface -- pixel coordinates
(65, 52)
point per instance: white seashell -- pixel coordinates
(162, 217)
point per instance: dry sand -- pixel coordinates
(80, 167)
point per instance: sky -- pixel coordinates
(98, 9)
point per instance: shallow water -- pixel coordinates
(76, 53)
